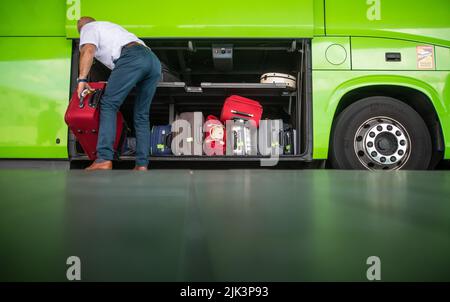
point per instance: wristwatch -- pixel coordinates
(82, 80)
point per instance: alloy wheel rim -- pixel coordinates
(382, 143)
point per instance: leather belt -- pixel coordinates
(131, 44)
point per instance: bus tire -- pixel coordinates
(380, 133)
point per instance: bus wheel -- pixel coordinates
(380, 133)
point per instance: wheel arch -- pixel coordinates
(416, 94)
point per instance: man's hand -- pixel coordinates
(87, 54)
(81, 87)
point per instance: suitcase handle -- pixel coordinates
(81, 102)
(242, 113)
(240, 119)
(281, 138)
(234, 140)
(168, 139)
(83, 94)
(96, 97)
(286, 140)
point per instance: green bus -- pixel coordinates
(373, 76)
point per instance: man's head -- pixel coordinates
(83, 21)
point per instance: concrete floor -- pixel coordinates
(224, 225)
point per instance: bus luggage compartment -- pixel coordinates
(203, 88)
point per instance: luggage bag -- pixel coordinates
(279, 78)
(237, 107)
(269, 137)
(161, 140)
(129, 147)
(215, 136)
(241, 138)
(194, 139)
(83, 115)
(288, 140)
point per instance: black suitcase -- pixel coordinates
(288, 140)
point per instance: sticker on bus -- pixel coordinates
(425, 57)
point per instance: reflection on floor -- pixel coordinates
(224, 225)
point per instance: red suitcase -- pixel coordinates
(83, 115)
(237, 107)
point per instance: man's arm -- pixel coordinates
(87, 54)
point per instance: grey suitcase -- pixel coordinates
(242, 138)
(194, 139)
(269, 137)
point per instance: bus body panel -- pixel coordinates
(202, 18)
(369, 68)
(421, 21)
(34, 89)
(319, 17)
(370, 54)
(331, 53)
(28, 18)
(330, 86)
(442, 58)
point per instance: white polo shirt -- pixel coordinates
(109, 38)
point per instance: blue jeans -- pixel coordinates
(137, 66)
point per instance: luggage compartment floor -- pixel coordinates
(227, 225)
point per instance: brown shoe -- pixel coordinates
(140, 168)
(106, 165)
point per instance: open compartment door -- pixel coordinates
(200, 18)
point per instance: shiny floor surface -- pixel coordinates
(224, 225)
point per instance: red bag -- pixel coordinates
(237, 107)
(215, 137)
(82, 117)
